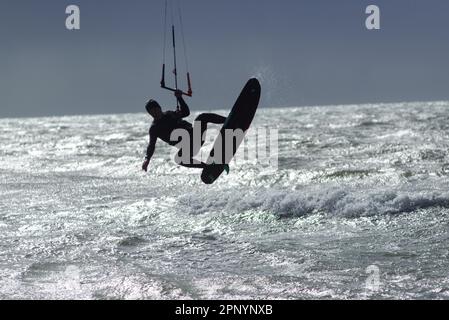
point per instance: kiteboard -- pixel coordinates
(240, 118)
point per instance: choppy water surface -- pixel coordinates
(357, 186)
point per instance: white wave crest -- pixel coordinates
(335, 201)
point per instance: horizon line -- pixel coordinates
(221, 109)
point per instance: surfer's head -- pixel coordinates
(154, 109)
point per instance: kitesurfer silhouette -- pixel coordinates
(165, 123)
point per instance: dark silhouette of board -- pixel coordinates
(240, 117)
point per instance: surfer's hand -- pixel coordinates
(178, 94)
(145, 165)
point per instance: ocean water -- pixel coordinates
(358, 208)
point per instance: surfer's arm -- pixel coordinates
(184, 110)
(150, 149)
(151, 145)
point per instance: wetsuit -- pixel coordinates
(173, 120)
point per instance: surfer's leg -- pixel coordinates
(202, 120)
(200, 165)
(193, 163)
(210, 118)
(190, 162)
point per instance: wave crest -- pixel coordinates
(335, 201)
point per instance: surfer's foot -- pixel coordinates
(226, 168)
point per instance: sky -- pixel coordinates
(305, 52)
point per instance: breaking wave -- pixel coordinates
(335, 201)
